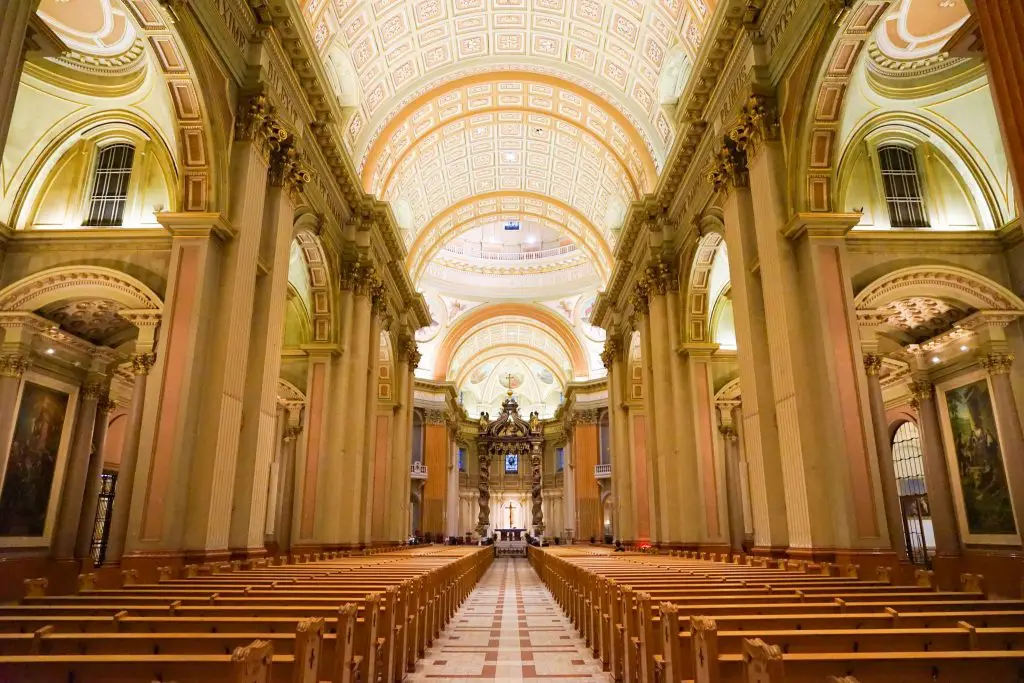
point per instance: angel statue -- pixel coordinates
(484, 421)
(535, 422)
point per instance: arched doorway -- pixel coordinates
(908, 463)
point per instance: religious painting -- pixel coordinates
(32, 461)
(976, 463)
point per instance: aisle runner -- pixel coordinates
(509, 629)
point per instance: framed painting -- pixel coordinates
(974, 455)
(33, 470)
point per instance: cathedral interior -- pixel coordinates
(359, 301)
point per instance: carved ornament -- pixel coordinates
(872, 364)
(919, 391)
(13, 365)
(612, 352)
(257, 122)
(142, 363)
(288, 169)
(998, 363)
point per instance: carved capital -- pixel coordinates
(142, 363)
(365, 279)
(256, 122)
(378, 297)
(292, 433)
(729, 168)
(348, 272)
(641, 296)
(435, 416)
(997, 363)
(414, 358)
(872, 364)
(287, 169)
(728, 432)
(759, 123)
(920, 391)
(13, 365)
(92, 391)
(587, 416)
(612, 352)
(105, 405)
(658, 276)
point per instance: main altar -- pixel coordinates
(508, 441)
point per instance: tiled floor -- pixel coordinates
(510, 629)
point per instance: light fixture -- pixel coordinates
(936, 359)
(50, 352)
(964, 347)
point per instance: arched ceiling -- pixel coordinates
(505, 333)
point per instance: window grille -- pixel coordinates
(110, 185)
(559, 459)
(901, 182)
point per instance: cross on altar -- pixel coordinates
(510, 509)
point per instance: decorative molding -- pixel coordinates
(142, 363)
(920, 390)
(998, 363)
(872, 364)
(14, 365)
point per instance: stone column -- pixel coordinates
(1011, 435)
(483, 522)
(258, 439)
(537, 503)
(734, 493)
(1001, 23)
(761, 441)
(94, 476)
(452, 501)
(211, 481)
(353, 457)
(936, 472)
(622, 522)
(706, 476)
(569, 489)
(312, 500)
(890, 490)
(287, 473)
(120, 510)
(400, 451)
(73, 491)
(655, 480)
(378, 307)
(414, 361)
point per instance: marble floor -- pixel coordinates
(509, 629)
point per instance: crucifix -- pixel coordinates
(510, 509)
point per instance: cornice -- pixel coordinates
(88, 239)
(927, 240)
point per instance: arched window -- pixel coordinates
(901, 183)
(110, 184)
(908, 462)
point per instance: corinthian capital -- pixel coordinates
(641, 296)
(257, 122)
(13, 365)
(997, 363)
(919, 391)
(612, 352)
(659, 275)
(729, 168)
(287, 169)
(872, 364)
(142, 363)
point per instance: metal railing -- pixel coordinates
(478, 250)
(505, 280)
(603, 471)
(418, 470)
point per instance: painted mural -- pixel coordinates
(986, 495)
(32, 461)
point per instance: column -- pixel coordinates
(1001, 23)
(706, 476)
(211, 481)
(760, 436)
(142, 363)
(94, 478)
(12, 368)
(406, 430)
(655, 480)
(378, 306)
(733, 483)
(452, 507)
(998, 366)
(936, 474)
(483, 522)
(538, 509)
(73, 491)
(569, 488)
(352, 457)
(329, 512)
(287, 473)
(890, 490)
(436, 451)
(258, 439)
(612, 357)
(400, 451)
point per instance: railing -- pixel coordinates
(458, 276)
(477, 250)
(418, 470)
(603, 471)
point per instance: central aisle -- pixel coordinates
(509, 629)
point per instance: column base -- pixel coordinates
(148, 564)
(204, 556)
(248, 553)
(771, 551)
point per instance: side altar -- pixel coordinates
(510, 439)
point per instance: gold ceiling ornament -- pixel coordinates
(872, 364)
(998, 363)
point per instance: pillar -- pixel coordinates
(451, 527)
(706, 476)
(259, 437)
(406, 430)
(883, 447)
(1001, 23)
(75, 479)
(654, 481)
(94, 476)
(219, 424)
(436, 451)
(353, 457)
(998, 366)
(311, 452)
(400, 450)
(537, 484)
(761, 443)
(121, 506)
(936, 473)
(612, 357)
(369, 450)
(286, 507)
(734, 494)
(12, 367)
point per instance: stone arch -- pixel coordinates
(55, 284)
(288, 394)
(698, 303)
(198, 177)
(941, 282)
(827, 99)
(319, 278)
(730, 391)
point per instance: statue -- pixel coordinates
(535, 422)
(484, 421)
